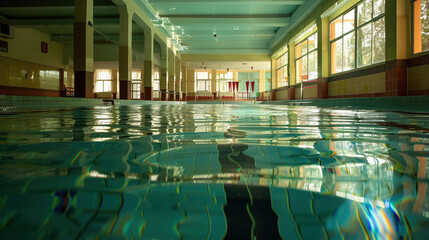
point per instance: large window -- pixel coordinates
(103, 80)
(306, 59)
(204, 81)
(357, 37)
(223, 79)
(282, 70)
(136, 84)
(246, 78)
(421, 25)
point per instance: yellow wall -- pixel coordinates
(375, 83)
(24, 65)
(417, 78)
(309, 92)
(282, 94)
(17, 73)
(26, 46)
(69, 77)
(261, 80)
(190, 81)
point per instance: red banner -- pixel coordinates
(229, 86)
(236, 85)
(253, 86)
(247, 86)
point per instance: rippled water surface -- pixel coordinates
(213, 172)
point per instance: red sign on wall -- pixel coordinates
(44, 47)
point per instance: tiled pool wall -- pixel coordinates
(407, 102)
(38, 101)
(404, 102)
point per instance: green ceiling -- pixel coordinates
(241, 26)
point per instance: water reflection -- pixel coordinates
(213, 171)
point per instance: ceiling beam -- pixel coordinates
(224, 51)
(282, 2)
(172, 16)
(297, 17)
(226, 45)
(194, 38)
(60, 21)
(48, 3)
(278, 22)
(231, 57)
(97, 37)
(226, 38)
(225, 28)
(211, 42)
(230, 32)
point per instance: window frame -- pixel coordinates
(104, 85)
(207, 81)
(284, 65)
(307, 55)
(103, 80)
(223, 80)
(355, 30)
(136, 82)
(156, 84)
(156, 79)
(413, 53)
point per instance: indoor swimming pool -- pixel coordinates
(190, 171)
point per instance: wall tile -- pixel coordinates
(18, 73)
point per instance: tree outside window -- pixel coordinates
(358, 36)
(306, 59)
(282, 70)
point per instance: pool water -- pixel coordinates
(213, 171)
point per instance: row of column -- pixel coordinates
(170, 74)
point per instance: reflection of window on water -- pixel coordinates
(312, 172)
(421, 25)
(103, 80)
